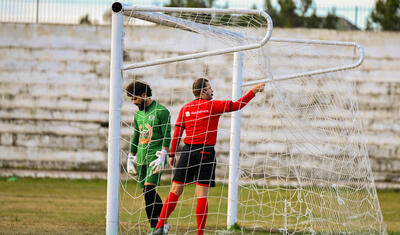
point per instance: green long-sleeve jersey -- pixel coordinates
(152, 131)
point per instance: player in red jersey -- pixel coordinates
(197, 164)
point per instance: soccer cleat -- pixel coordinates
(152, 230)
(159, 231)
(166, 228)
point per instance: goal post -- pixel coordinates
(296, 159)
(234, 149)
(114, 131)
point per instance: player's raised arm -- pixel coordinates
(178, 132)
(222, 106)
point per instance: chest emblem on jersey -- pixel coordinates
(151, 117)
(146, 132)
(187, 114)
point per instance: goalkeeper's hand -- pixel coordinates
(131, 164)
(158, 164)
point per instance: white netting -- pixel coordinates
(304, 167)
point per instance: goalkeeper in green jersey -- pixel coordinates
(149, 146)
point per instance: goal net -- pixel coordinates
(303, 163)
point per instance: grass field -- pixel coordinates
(57, 206)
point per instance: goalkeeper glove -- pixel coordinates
(158, 164)
(131, 165)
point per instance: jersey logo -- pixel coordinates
(201, 111)
(187, 114)
(151, 117)
(145, 134)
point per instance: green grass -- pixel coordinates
(52, 206)
(56, 206)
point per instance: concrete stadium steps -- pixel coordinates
(54, 86)
(57, 78)
(51, 158)
(56, 36)
(51, 127)
(55, 114)
(56, 54)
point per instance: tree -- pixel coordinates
(313, 21)
(272, 12)
(305, 6)
(85, 19)
(387, 14)
(288, 16)
(210, 3)
(331, 20)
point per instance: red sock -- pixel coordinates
(167, 209)
(201, 213)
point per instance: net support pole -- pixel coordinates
(234, 149)
(114, 120)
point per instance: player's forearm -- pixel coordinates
(174, 145)
(133, 147)
(167, 137)
(176, 139)
(240, 103)
(166, 128)
(134, 143)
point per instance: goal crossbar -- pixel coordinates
(140, 13)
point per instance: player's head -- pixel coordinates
(202, 89)
(138, 92)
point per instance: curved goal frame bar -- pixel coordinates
(140, 12)
(356, 46)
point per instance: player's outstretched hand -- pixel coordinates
(158, 164)
(131, 164)
(258, 88)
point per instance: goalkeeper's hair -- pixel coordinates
(137, 88)
(198, 85)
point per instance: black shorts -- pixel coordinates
(196, 165)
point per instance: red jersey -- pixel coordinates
(200, 120)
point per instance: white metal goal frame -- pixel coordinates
(120, 10)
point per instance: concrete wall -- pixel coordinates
(54, 85)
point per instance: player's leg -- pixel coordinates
(153, 204)
(201, 208)
(169, 206)
(183, 175)
(152, 198)
(204, 180)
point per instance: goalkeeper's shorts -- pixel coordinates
(145, 176)
(197, 165)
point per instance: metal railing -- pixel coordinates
(98, 11)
